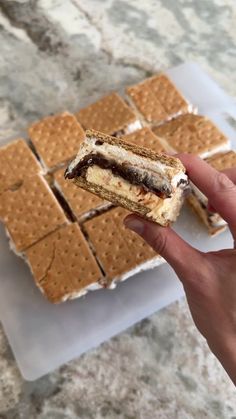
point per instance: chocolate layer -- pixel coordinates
(123, 170)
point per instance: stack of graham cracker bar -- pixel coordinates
(73, 240)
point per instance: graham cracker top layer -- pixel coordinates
(144, 137)
(223, 161)
(117, 248)
(79, 200)
(30, 212)
(136, 149)
(56, 138)
(110, 114)
(16, 162)
(157, 99)
(63, 264)
(191, 134)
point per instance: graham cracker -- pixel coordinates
(144, 137)
(63, 265)
(30, 212)
(191, 134)
(157, 99)
(223, 161)
(16, 162)
(56, 138)
(82, 203)
(118, 249)
(110, 115)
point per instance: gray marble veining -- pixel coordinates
(62, 54)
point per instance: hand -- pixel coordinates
(209, 279)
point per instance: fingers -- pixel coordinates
(183, 258)
(218, 188)
(231, 173)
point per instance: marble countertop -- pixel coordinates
(62, 54)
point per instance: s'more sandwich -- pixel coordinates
(199, 202)
(193, 134)
(111, 115)
(157, 100)
(148, 183)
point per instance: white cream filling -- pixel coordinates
(149, 264)
(170, 207)
(165, 175)
(219, 149)
(133, 126)
(12, 245)
(190, 109)
(77, 294)
(217, 221)
(161, 209)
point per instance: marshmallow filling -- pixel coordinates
(151, 176)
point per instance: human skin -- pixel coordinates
(209, 279)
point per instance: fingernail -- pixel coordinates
(135, 225)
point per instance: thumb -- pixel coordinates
(183, 258)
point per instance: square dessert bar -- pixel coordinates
(157, 99)
(63, 265)
(17, 161)
(192, 134)
(145, 182)
(144, 137)
(110, 115)
(120, 252)
(56, 138)
(30, 211)
(198, 201)
(82, 203)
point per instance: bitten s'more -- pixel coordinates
(198, 201)
(145, 182)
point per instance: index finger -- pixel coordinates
(218, 188)
(231, 173)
